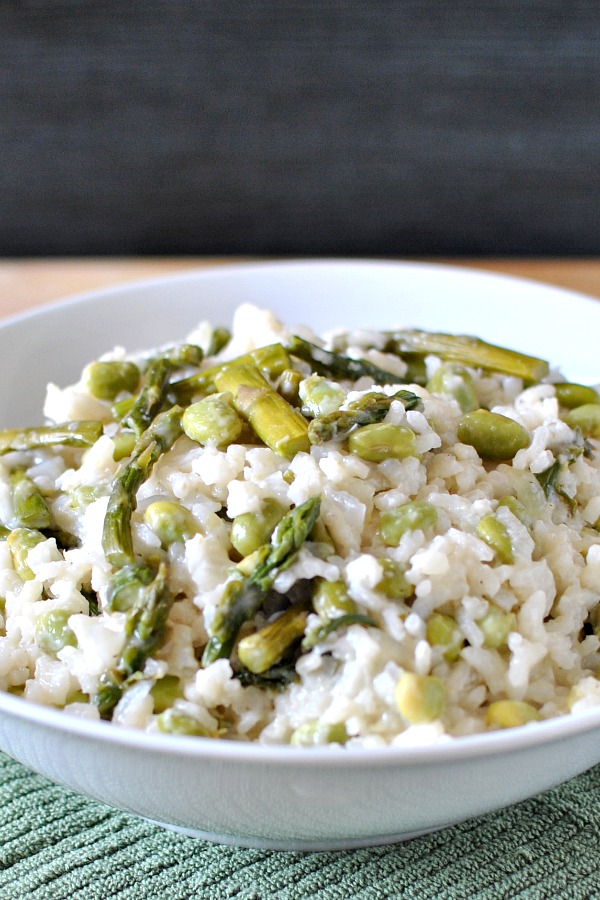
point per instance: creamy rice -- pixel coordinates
(478, 614)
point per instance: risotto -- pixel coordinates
(359, 539)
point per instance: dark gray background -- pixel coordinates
(332, 127)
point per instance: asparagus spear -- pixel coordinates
(29, 505)
(244, 596)
(470, 351)
(68, 434)
(154, 392)
(144, 629)
(272, 360)
(336, 365)
(156, 440)
(279, 425)
(367, 410)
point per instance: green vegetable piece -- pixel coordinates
(275, 422)
(320, 397)
(586, 418)
(52, 631)
(420, 698)
(30, 507)
(243, 596)
(272, 360)
(377, 443)
(128, 586)
(124, 444)
(517, 509)
(171, 721)
(144, 628)
(260, 651)
(510, 714)
(330, 599)
(492, 435)
(288, 385)
(417, 515)
(165, 692)
(453, 380)
(154, 394)
(313, 733)
(70, 434)
(156, 440)
(496, 626)
(495, 535)
(394, 584)
(171, 522)
(249, 531)
(213, 421)
(470, 351)
(106, 379)
(369, 409)
(572, 395)
(219, 339)
(318, 635)
(336, 365)
(442, 631)
(20, 542)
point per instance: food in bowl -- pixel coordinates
(363, 539)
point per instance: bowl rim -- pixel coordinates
(448, 748)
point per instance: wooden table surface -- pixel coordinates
(30, 282)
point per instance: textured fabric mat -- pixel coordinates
(55, 844)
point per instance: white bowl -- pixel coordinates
(286, 797)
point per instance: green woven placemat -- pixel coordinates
(56, 844)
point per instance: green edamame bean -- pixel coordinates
(495, 535)
(381, 441)
(213, 420)
(572, 395)
(249, 531)
(172, 721)
(493, 436)
(106, 379)
(586, 418)
(320, 396)
(20, 542)
(52, 631)
(453, 380)
(331, 599)
(496, 626)
(420, 698)
(442, 631)
(171, 522)
(517, 509)
(312, 733)
(413, 516)
(394, 584)
(165, 692)
(511, 713)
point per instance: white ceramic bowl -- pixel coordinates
(287, 797)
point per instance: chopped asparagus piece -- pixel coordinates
(274, 421)
(155, 389)
(30, 507)
(260, 651)
(243, 596)
(69, 434)
(144, 631)
(156, 440)
(336, 365)
(272, 360)
(470, 351)
(367, 410)
(323, 631)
